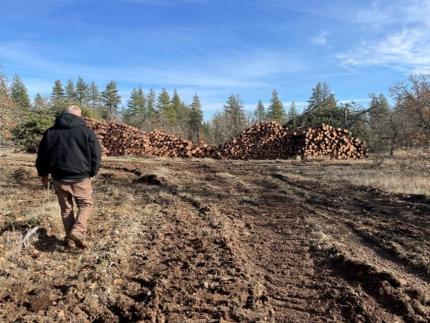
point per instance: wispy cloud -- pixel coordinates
(406, 44)
(235, 70)
(320, 39)
(376, 14)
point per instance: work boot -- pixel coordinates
(68, 243)
(78, 240)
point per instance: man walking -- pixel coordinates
(70, 152)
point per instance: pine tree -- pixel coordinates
(150, 105)
(293, 116)
(57, 92)
(58, 100)
(235, 115)
(19, 95)
(39, 103)
(182, 114)
(320, 96)
(322, 107)
(276, 109)
(94, 97)
(195, 119)
(163, 103)
(171, 114)
(111, 100)
(135, 112)
(70, 91)
(260, 112)
(82, 92)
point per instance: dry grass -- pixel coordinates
(406, 174)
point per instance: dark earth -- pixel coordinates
(176, 240)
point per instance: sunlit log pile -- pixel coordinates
(119, 139)
(325, 140)
(265, 140)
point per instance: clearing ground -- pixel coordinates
(218, 241)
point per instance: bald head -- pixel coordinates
(75, 110)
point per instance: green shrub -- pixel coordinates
(29, 133)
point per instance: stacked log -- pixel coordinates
(123, 140)
(337, 143)
(265, 140)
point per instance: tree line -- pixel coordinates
(386, 128)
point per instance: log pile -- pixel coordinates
(337, 143)
(270, 140)
(265, 140)
(123, 140)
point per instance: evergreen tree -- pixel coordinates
(150, 105)
(322, 107)
(235, 115)
(19, 95)
(58, 99)
(321, 97)
(135, 112)
(195, 119)
(182, 114)
(82, 92)
(94, 97)
(57, 92)
(293, 116)
(260, 112)
(70, 91)
(39, 103)
(276, 109)
(171, 114)
(163, 103)
(111, 100)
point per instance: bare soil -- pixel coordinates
(214, 241)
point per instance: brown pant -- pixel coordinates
(80, 192)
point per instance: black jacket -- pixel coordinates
(69, 150)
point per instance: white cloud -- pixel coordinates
(404, 46)
(321, 39)
(376, 14)
(235, 70)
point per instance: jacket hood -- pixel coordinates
(68, 120)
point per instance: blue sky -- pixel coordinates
(217, 47)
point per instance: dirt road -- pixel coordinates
(215, 241)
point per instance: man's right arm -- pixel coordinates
(42, 158)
